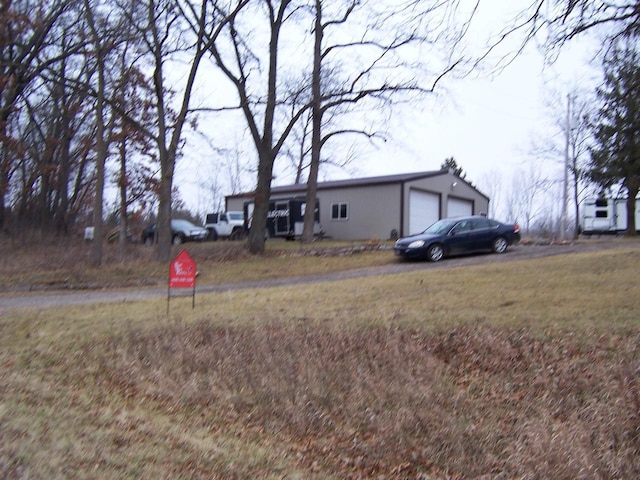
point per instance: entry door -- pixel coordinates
(282, 218)
(424, 210)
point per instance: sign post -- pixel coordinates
(182, 274)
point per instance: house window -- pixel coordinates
(339, 211)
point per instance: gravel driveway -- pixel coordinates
(518, 252)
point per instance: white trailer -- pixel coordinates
(606, 215)
(285, 217)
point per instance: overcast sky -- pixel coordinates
(490, 124)
(487, 124)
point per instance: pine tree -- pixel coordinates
(615, 157)
(452, 165)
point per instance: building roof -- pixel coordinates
(354, 182)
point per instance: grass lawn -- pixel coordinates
(67, 266)
(527, 369)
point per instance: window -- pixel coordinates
(339, 211)
(480, 223)
(463, 226)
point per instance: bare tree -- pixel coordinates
(54, 140)
(491, 184)
(526, 201)
(25, 36)
(579, 140)
(49, 130)
(259, 97)
(71, 132)
(299, 151)
(557, 22)
(316, 123)
(383, 38)
(163, 26)
(101, 46)
(132, 106)
(110, 39)
(567, 148)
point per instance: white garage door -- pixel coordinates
(424, 209)
(457, 207)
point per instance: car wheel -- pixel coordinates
(177, 239)
(499, 245)
(213, 235)
(435, 253)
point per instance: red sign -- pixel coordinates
(182, 273)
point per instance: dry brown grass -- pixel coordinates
(66, 265)
(517, 370)
(398, 403)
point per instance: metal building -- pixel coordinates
(379, 207)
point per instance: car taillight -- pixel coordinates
(516, 228)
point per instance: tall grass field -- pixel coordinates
(525, 369)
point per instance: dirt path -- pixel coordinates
(9, 301)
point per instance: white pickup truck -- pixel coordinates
(225, 225)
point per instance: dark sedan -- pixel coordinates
(453, 236)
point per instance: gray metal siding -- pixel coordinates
(373, 212)
(235, 204)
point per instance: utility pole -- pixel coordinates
(565, 179)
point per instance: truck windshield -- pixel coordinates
(236, 216)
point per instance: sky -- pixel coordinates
(492, 125)
(488, 123)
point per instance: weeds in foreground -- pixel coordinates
(399, 403)
(525, 370)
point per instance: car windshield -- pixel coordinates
(184, 224)
(236, 216)
(441, 226)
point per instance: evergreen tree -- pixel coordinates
(615, 157)
(451, 165)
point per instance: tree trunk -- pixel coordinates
(257, 232)
(163, 223)
(95, 258)
(101, 155)
(266, 150)
(64, 172)
(576, 200)
(576, 207)
(316, 146)
(168, 152)
(123, 186)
